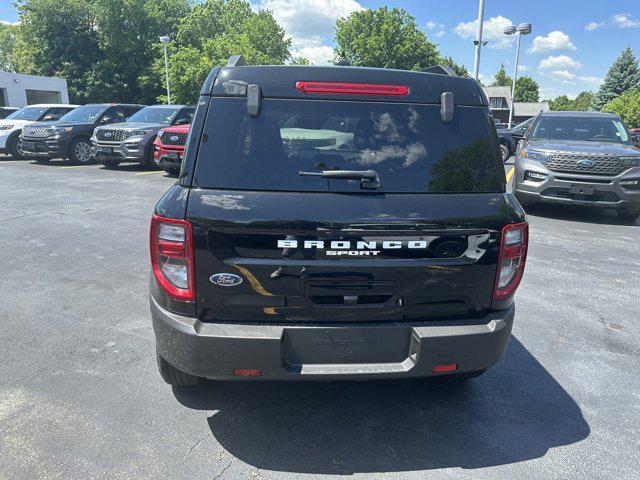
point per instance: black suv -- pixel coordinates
(336, 223)
(69, 136)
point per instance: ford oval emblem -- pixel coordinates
(225, 279)
(586, 163)
(173, 138)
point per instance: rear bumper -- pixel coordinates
(329, 352)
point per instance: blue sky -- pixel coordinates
(571, 48)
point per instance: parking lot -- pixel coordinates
(80, 395)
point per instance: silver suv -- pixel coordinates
(581, 158)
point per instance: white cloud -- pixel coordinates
(523, 68)
(314, 50)
(624, 20)
(310, 24)
(560, 62)
(492, 31)
(556, 40)
(563, 75)
(591, 26)
(594, 80)
(4, 22)
(435, 29)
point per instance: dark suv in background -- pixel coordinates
(580, 158)
(336, 223)
(69, 136)
(509, 137)
(132, 141)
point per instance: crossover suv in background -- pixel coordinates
(508, 138)
(69, 136)
(581, 158)
(132, 141)
(335, 223)
(11, 127)
(168, 147)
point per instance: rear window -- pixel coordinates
(408, 145)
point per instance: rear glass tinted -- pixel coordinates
(408, 145)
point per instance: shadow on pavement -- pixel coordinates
(575, 213)
(515, 412)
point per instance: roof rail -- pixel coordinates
(236, 61)
(439, 70)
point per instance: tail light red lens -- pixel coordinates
(172, 256)
(352, 88)
(513, 255)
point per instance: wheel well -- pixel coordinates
(73, 139)
(12, 135)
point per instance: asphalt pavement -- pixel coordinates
(80, 396)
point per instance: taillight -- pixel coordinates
(172, 256)
(513, 254)
(352, 88)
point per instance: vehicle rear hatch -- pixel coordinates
(293, 246)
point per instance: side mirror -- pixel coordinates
(517, 135)
(635, 139)
(183, 121)
(48, 118)
(106, 120)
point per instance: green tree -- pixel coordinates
(622, 76)
(106, 49)
(210, 34)
(8, 33)
(627, 106)
(527, 90)
(127, 33)
(561, 103)
(58, 38)
(459, 69)
(300, 61)
(384, 38)
(582, 103)
(502, 79)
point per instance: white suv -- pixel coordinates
(11, 126)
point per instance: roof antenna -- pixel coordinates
(236, 61)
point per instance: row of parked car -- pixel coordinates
(101, 132)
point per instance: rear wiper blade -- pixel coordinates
(368, 178)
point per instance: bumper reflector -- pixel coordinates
(246, 372)
(448, 367)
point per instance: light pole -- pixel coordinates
(478, 42)
(522, 29)
(165, 41)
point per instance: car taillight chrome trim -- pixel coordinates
(511, 251)
(352, 88)
(172, 249)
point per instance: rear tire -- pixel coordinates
(174, 376)
(628, 215)
(15, 148)
(506, 154)
(80, 152)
